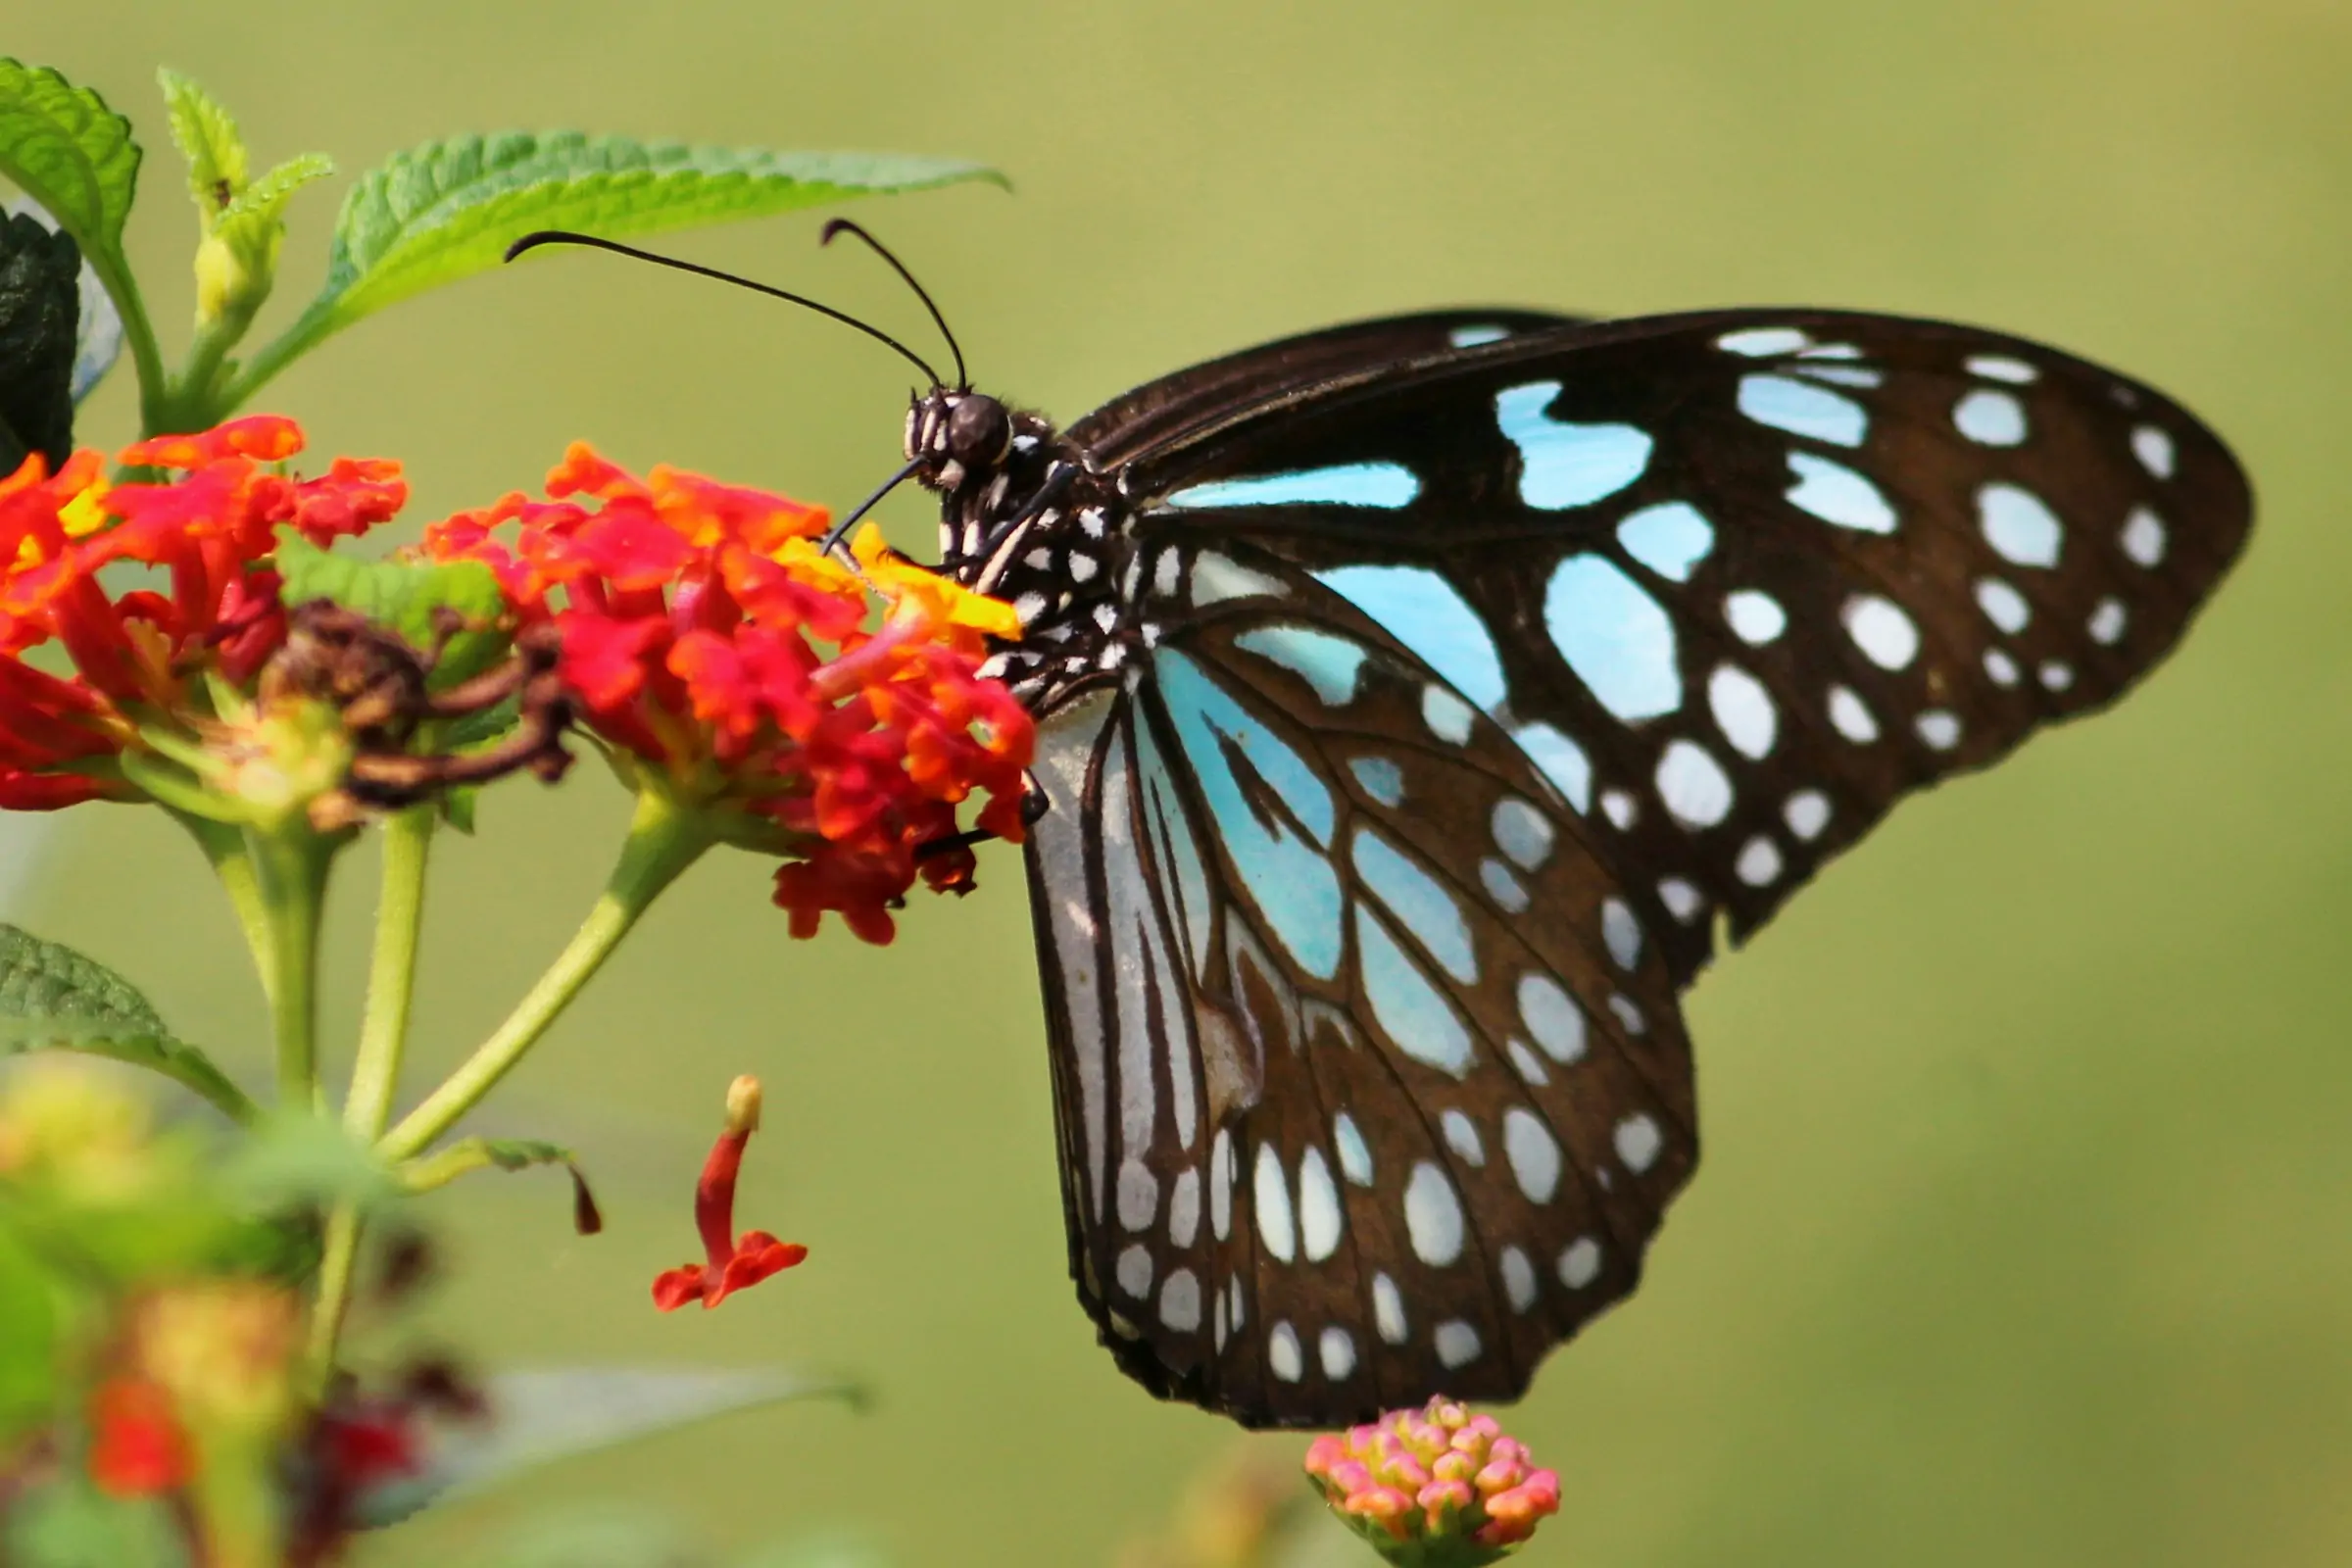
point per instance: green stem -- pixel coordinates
(153, 384)
(663, 839)
(231, 861)
(375, 1072)
(392, 974)
(337, 1268)
(256, 372)
(293, 865)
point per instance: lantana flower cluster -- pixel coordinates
(140, 654)
(1437, 1486)
(706, 634)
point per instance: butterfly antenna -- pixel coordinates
(842, 226)
(566, 236)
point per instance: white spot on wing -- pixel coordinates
(1759, 863)
(1552, 1017)
(1180, 1302)
(2001, 367)
(1807, 814)
(2153, 447)
(1580, 1262)
(1319, 1212)
(1461, 1136)
(1388, 1311)
(1742, 711)
(1355, 1155)
(1338, 1352)
(2143, 537)
(1456, 1342)
(1694, 786)
(1282, 1357)
(1135, 1272)
(1518, 1279)
(1991, 419)
(1637, 1142)
(1878, 628)
(1273, 1202)
(1433, 1216)
(1534, 1153)
(1851, 717)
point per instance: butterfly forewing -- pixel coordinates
(1461, 668)
(1743, 580)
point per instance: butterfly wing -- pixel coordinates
(1741, 579)
(1179, 410)
(1345, 1119)
(1476, 680)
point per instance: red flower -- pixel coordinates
(140, 653)
(706, 633)
(730, 1262)
(137, 1447)
(1437, 1486)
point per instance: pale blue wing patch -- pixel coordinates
(1837, 494)
(1386, 485)
(1421, 610)
(1813, 412)
(1332, 665)
(1670, 539)
(1279, 854)
(1616, 638)
(1563, 463)
(2018, 524)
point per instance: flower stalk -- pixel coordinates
(665, 837)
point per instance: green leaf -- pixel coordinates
(53, 997)
(539, 1417)
(40, 302)
(71, 154)
(402, 596)
(505, 1153)
(208, 138)
(449, 209)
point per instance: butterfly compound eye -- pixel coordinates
(979, 433)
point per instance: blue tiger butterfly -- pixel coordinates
(1414, 697)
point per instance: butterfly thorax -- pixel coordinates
(1025, 518)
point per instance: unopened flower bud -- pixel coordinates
(1438, 1488)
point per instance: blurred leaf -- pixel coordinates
(39, 304)
(208, 138)
(71, 154)
(538, 1417)
(820, 1548)
(71, 1524)
(293, 1158)
(402, 596)
(447, 210)
(54, 998)
(599, 1536)
(27, 1337)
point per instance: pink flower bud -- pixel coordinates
(1440, 1487)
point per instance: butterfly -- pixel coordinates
(1416, 699)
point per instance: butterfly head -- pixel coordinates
(959, 437)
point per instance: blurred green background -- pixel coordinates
(2025, 1229)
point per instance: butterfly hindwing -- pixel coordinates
(1379, 1087)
